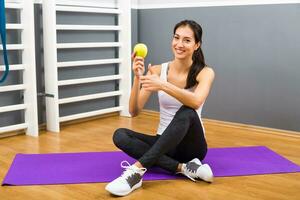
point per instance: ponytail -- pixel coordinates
(197, 66)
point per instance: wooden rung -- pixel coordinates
(13, 128)
(89, 97)
(88, 62)
(88, 28)
(13, 67)
(12, 88)
(90, 114)
(12, 108)
(87, 9)
(13, 47)
(87, 45)
(88, 80)
(14, 26)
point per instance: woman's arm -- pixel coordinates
(138, 95)
(193, 99)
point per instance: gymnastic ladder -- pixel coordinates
(26, 109)
(122, 10)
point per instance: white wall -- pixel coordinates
(92, 3)
(145, 4)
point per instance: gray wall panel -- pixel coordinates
(86, 89)
(91, 105)
(11, 118)
(134, 26)
(85, 18)
(254, 51)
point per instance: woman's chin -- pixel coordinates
(180, 56)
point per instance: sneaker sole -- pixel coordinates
(136, 186)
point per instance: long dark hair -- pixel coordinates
(198, 57)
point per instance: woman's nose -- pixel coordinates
(179, 43)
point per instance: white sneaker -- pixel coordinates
(195, 170)
(130, 180)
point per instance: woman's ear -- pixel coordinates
(197, 46)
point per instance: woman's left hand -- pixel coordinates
(151, 82)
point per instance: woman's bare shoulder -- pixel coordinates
(206, 72)
(208, 68)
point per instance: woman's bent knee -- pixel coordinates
(119, 136)
(186, 111)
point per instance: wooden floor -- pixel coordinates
(96, 136)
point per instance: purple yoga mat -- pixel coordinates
(91, 167)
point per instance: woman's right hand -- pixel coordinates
(138, 65)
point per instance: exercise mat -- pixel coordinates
(93, 167)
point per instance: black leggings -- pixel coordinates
(181, 141)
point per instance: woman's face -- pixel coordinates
(183, 43)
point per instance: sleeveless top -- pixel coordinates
(168, 105)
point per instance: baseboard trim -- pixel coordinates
(249, 127)
(151, 113)
(12, 133)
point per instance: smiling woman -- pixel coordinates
(188, 38)
(183, 85)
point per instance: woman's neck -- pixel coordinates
(182, 66)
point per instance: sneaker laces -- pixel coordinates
(129, 170)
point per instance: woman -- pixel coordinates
(182, 85)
